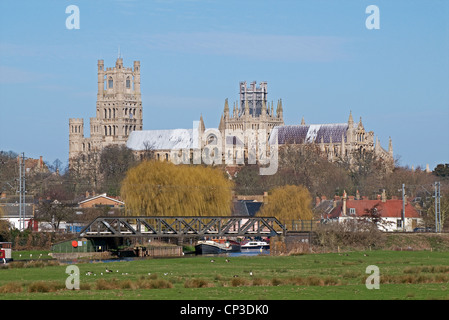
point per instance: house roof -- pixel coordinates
(388, 209)
(101, 196)
(312, 133)
(246, 207)
(11, 210)
(171, 139)
(174, 139)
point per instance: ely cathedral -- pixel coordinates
(118, 110)
(119, 121)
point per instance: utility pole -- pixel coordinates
(437, 207)
(403, 207)
(22, 192)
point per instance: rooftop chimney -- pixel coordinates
(344, 203)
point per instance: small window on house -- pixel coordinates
(399, 223)
(352, 211)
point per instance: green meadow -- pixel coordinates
(404, 275)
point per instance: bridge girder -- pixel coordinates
(152, 226)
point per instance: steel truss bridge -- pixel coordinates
(148, 226)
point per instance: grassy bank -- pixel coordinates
(403, 275)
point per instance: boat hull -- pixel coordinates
(211, 248)
(252, 246)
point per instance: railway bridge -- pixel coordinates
(181, 227)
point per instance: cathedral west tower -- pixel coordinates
(118, 110)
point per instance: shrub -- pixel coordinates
(103, 284)
(11, 287)
(260, 282)
(276, 282)
(352, 233)
(196, 283)
(45, 286)
(160, 284)
(314, 281)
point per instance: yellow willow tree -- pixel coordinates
(156, 188)
(288, 203)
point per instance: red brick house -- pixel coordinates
(100, 201)
(388, 212)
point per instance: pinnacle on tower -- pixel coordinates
(377, 146)
(264, 108)
(390, 147)
(202, 128)
(226, 109)
(279, 109)
(350, 120)
(303, 123)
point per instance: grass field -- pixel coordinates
(403, 275)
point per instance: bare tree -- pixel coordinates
(54, 213)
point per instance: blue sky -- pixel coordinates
(317, 56)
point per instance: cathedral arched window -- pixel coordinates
(128, 83)
(212, 139)
(110, 83)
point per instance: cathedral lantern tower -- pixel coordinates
(250, 113)
(252, 110)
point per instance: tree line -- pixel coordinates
(151, 187)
